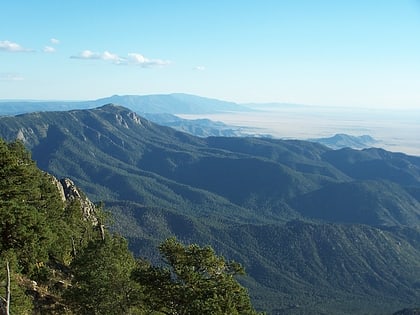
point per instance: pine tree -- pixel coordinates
(28, 207)
(11, 292)
(196, 282)
(102, 283)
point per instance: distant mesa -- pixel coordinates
(341, 140)
(177, 103)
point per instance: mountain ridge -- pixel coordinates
(163, 108)
(341, 140)
(175, 103)
(161, 182)
(115, 132)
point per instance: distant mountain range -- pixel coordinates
(162, 109)
(320, 231)
(157, 108)
(340, 141)
(200, 127)
(176, 103)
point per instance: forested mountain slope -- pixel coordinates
(277, 206)
(57, 257)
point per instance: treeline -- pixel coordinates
(54, 258)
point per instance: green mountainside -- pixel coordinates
(57, 257)
(318, 231)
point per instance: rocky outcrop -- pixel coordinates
(70, 192)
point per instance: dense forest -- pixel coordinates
(319, 231)
(56, 257)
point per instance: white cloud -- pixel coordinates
(139, 59)
(86, 54)
(136, 58)
(10, 77)
(106, 55)
(131, 59)
(9, 46)
(200, 68)
(54, 41)
(49, 49)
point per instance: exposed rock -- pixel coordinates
(71, 192)
(134, 117)
(20, 136)
(59, 187)
(120, 120)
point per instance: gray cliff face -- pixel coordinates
(70, 192)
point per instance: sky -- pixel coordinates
(361, 53)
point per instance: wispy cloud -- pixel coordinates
(139, 59)
(86, 54)
(106, 56)
(131, 59)
(10, 77)
(9, 46)
(49, 49)
(200, 68)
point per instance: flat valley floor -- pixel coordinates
(395, 130)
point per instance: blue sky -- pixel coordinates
(362, 53)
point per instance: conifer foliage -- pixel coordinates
(29, 207)
(195, 281)
(54, 261)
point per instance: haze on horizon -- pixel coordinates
(334, 53)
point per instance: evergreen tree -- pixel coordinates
(38, 231)
(29, 206)
(196, 282)
(20, 303)
(102, 283)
